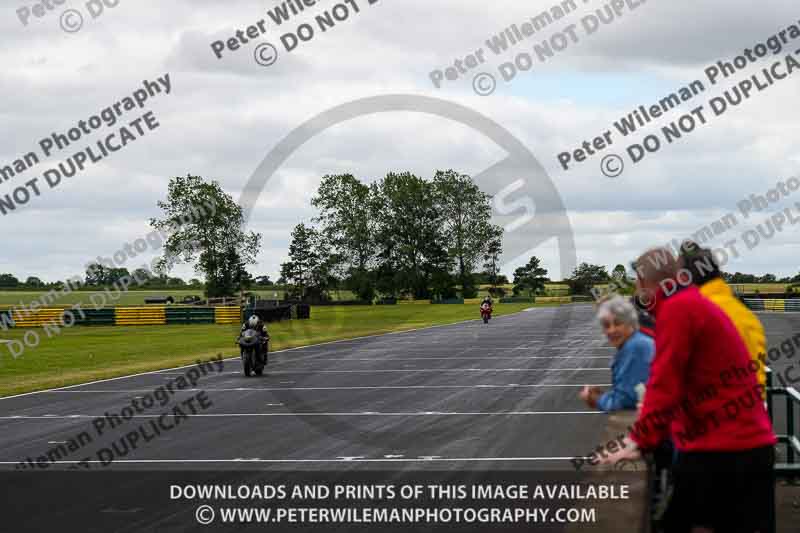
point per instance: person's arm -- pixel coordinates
(665, 387)
(619, 397)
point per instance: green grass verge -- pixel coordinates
(83, 354)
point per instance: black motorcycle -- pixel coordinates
(254, 350)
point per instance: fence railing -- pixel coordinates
(790, 437)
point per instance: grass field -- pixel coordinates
(11, 298)
(84, 354)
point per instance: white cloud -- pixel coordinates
(225, 115)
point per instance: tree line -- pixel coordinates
(403, 235)
(528, 280)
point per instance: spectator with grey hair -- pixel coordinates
(631, 366)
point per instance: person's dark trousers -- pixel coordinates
(664, 456)
(727, 492)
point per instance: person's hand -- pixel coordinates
(585, 393)
(590, 395)
(629, 451)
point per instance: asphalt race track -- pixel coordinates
(469, 395)
(489, 401)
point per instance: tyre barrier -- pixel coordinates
(140, 316)
(554, 299)
(791, 305)
(516, 300)
(120, 316)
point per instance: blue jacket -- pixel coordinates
(631, 366)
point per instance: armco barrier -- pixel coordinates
(450, 301)
(140, 316)
(38, 318)
(775, 305)
(414, 302)
(517, 300)
(55, 315)
(791, 305)
(95, 317)
(192, 315)
(227, 315)
(332, 303)
(553, 299)
(121, 316)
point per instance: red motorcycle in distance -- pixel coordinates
(486, 312)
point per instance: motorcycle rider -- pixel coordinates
(486, 309)
(255, 323)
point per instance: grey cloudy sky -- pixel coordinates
(224, 116)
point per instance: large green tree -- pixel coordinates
(585, 276)
(530, 278)
(466, 214)
(409, 235)
(310, 268)
(491, 257)
(346, 220)
(8, 280)
(206, 225)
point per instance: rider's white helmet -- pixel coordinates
(252, 321)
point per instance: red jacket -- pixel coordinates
(701, 392)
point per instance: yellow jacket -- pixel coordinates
(746, 322)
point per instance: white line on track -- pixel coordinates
(376, 387)
(428, 459)
(554, 348)
(380, 371)
(457, 358)
(367, 413)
